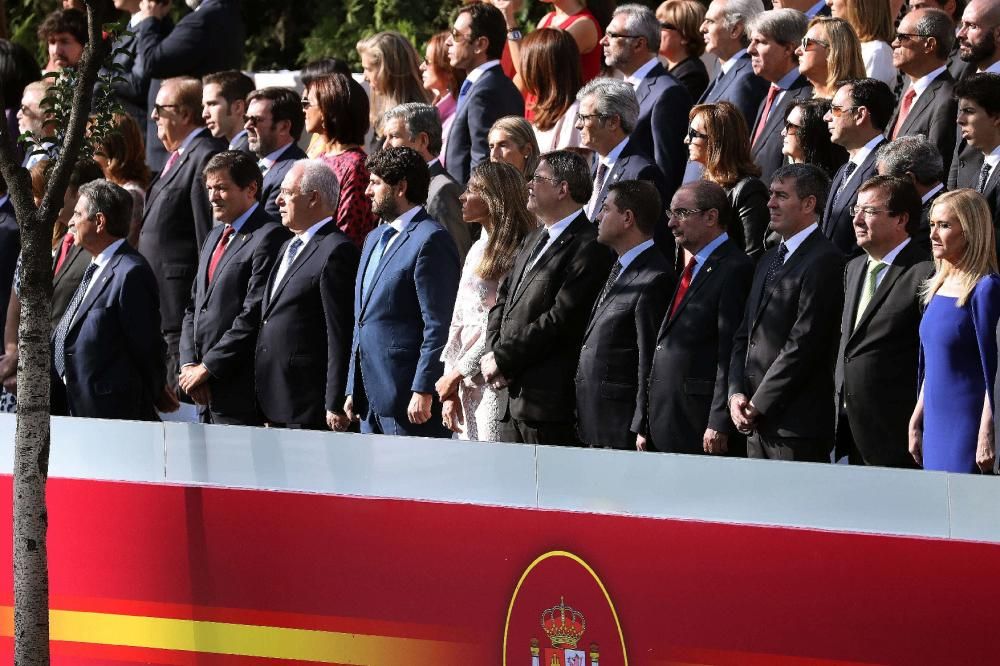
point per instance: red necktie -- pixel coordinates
(904, 111)
(772, 93)
(686, 278)
(220, 249)
(67, 243)
(170, 162)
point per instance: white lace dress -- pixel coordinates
(467, 345)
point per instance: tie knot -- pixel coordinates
(910, 94)
(876, 267)
(68, 239)
(782, 250)
(228, 230)
(691, 264)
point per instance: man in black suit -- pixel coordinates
(224, 107)
(631, 43)
(300, 367)
(131, 85)
(607, 115)
(107, 351)
(536, 327)
(953, 8)
(857, 119)
(274, 123)
(916, 159)
(686, 409)
(219, 333)
(979, 124)
(618, 341)
(178, 215)
(928, 107)
(781, 382)
(418, 126)
(880, 338)
(774, 36)
(726, 37)
(208, 40)
(475, 45)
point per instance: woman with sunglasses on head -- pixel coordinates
(807, 137)
(682, 44)
(830, 52)
(718, 139)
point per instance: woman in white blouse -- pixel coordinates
(873, 21)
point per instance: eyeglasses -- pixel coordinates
(584, 117)
(536, 178)
(808, 41)
(458, 37)
(667, 26)
(306, 104)
(838, 111)
(790, 126)
(682, 213)
(695, 134)
(160, 107)
(903, 36)
(869, 211)
(620, 35)
(253, 120)
(285, 193)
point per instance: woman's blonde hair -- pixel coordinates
(397, 74)
(687, 16)
(521, 132)
(844, 61)
(502, 189)
(871, 19)
(980, 258)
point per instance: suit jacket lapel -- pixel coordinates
(644, 88)
(790, 263)
(300, 259)
(624, 280)
(102, 281)
(71, 256)
(551, 251)
(236, 244)
(389, 253)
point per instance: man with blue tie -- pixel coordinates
(403, 301)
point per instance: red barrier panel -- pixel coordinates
(166, 574)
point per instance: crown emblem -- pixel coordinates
(563, 625)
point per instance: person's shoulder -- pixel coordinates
(987, 289)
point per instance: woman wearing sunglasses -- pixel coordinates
(830, 51)
(807, 138)
(682, 44)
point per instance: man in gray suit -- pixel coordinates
(418, 126)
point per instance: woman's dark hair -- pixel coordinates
(728, 143)
(17, 69)
(814, 136)
(125, 151)
(345, 107)
(322, 67)
(550, 67)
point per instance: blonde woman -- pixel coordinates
(497, 199)
(682, 44)
(392, 69)
(830, 52)
(951, 428)
(872, 20)
(512, 140)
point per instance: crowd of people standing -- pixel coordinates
(578, 234)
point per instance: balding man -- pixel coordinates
(979, 37)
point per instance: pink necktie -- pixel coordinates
(904, 111)
(170, 162)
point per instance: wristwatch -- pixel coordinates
(514, 34)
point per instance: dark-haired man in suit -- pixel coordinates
(274, 123)
(224, 106)
(219, 332)
(979, 126)
(537, 325)
(880, 339)
(686, 409)
(726, 37)
(619, 338)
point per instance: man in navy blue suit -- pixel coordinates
(108, 354)
(475, 45)
(727, 37)
(274, 123)
(403, 301)
(631, 43)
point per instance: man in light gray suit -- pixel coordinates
(418, 126)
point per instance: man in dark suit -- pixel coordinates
(224, 107)
(403, 300)
(418, 126)
(618, 341)
(726, 37)
(953, 8)
(631, 43)
(880, 338)
(274, 123)
(208, 40)
(607, 115)
(536, 328)
(781, 381)
(916, 159)
(107, 351)
(774, 36)
(928, 107)
(300, 366)
(219, 333)
(686, 410)
(475, 45)
(131, 86)
(857, 119)
(178, 215)
(979, 125)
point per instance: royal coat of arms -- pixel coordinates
(564, 627)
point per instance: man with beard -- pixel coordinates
(274, 123)
(403, 300)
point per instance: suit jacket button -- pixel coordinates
(584, 347)
(659, 347)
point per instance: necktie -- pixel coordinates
(682, 288)
(293, 251)
(616, 270)
(170, 162)
(462, 92)
(59, 355)
(262, 165)
(848, 170)
(602, 174)
(220, 249)
(776, 264)
(871, 282)
(772, 93)
(904, 111)
(537, 250)
(984, 176)
(376, 257)
(67, 243)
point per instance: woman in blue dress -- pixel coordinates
(952, 425)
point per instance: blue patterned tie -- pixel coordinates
(376, 258)
(462, 92)
(293, 251)
(59, 355)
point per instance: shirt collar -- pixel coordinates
(236, 139)
(307, 235)
(920, 85)
(430, 164)
(474, 75)
(862, 153)
(612, 157)
(400, 222)
(726, 65)
(993, 158)
(704, 253)
(636, 77)
(188, 139)
(924, 199)
(271, 158)
(888, 258)
(992, 69)
(795, 241)
(237, 224)
(3, 200)
(556, 229)
(787, 80)
(631, 255)
(104, 257)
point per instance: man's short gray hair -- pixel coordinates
(317, 176)
(419, 118)
(785, 26)
(613, 97)
(911, 154)
(937, 24)
(741, 11)
(641, 22)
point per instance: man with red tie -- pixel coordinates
(219, 331)
(685, 410)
